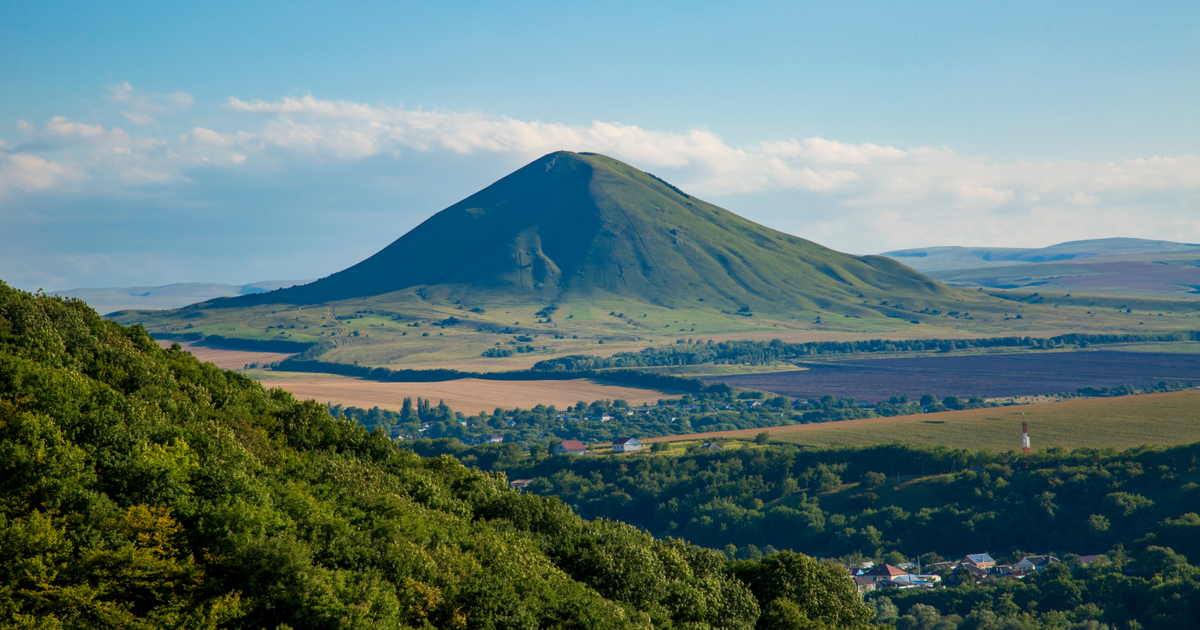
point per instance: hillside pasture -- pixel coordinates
(1124, 422)
(469, 396)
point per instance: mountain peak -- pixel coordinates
(569, 225)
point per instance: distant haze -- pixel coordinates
(111, 299)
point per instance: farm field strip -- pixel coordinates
(1124, 422)
(996, 376)
(229, 359)
(469, 396)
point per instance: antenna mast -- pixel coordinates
(1025, 436)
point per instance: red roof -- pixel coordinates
(573, 445)
(885, 569)
(624, 440)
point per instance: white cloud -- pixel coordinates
(29, 172)
(859, 197)
(144, 107)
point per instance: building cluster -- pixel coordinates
(979, 566)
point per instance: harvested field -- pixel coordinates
(469, 396)
(229, 359)
(992, 375)
(1128, 421)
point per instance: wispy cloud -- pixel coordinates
(142, 108)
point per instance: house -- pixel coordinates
(519, 484)
(884, 573)
(864, 584)
(570, 447)
(711, 446)
(909, 579)
(979, 561)
(600, 417)
(1086, 560)
(1031, 564)
(626, 445)
(495, 439)
(975, 571)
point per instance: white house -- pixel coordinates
(626, 445)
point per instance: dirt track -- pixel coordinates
(469, 396)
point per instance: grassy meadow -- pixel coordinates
(1124, 422)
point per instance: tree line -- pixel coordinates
(697, 352)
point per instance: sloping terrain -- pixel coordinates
(140, 488)
(1116, 266)
(931, 259)
(570, 226)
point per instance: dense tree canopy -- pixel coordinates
(142, 488)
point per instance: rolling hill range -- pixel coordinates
(1115, 266)
(111, 299)
(578, 249)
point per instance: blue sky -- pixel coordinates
(149, 143)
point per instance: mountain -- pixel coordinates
(575, 225)
(931, 259)
(110, 299)
(1114, 266)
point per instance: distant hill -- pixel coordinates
(573, 225)
(110, 299)
(1113, 266)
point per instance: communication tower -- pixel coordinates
(1025, 437)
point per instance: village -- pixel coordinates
(976, 567)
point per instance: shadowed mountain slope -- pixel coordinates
(572, 225)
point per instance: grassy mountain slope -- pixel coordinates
(140, 488)
(569, 226)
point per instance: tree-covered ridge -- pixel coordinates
(142, 488)
(1138, 507)
(837, 502)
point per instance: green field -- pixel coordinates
(1120, 423)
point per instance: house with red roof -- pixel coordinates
(570, 447)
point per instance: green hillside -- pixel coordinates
(569, 226)
(140, 488)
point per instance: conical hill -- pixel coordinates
(572, 225)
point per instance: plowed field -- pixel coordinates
(992, 375)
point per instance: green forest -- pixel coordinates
(140, 488)
(896, 503)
